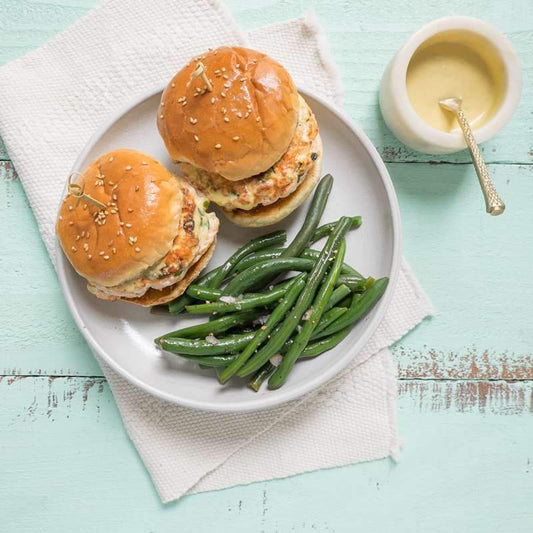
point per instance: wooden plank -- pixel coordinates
(361, 44)
(482, 327)
(65, 456)
(432, 364)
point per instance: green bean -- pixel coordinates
(260, 376)
(225, 345)
(245, 302)
(314, 213)
(204, 293)
(274, 253)
(337, 295)
(307, 295)
(326, 229)
(309, 253)
(328, 318)
(219, 325)
(207, 361)
(356, 284)
(264, 271)
(301, 340)
(258, 243)
(256, 257)
(214, 278)
(262, 334)
(177, 305)
(327, 343)
(361, 305)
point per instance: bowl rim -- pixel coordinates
(282, 395)
(455, 141)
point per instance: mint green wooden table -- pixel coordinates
(465, 376)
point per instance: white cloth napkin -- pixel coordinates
(55, 97)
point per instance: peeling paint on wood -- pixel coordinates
(435, 364)
(496, 397)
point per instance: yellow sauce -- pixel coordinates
(455, 64)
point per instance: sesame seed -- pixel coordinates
(119, 233)
(218, 146)
(128, 167)
(173, 85)
(106, 257)
(111, 159)
(84, 207)
(128, 225)
(237, 65)
(77, 238)
(101, 253)
(223, 95)
(130, 210)
(223, 69)
(196, 138)
(225, 77)
(144, 163)
(113, 211)
(83, 233)
(226, 119)
(161, 115)
(111, 182)
(162, 104)
(193, 120)
(137, 249)
(85, 246)
(137, 188)
(60, 217)
(243, 79)
(236, 138)
(224, 110)
(88, 235)
(110, 243)
(184, 103)
(114, 197)
(70, 208)
(257, 119)
(89, 257)
(114, 250)
(227, 85)
(73, 248)
(212, 99)
(71, 223)
(239, 114)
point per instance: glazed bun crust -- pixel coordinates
(143, 205)
(239, 129)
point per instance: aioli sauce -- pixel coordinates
(460, 64)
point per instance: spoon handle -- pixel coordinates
(493, 201)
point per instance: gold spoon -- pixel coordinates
(493, 202)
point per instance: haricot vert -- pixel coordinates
(260, 329)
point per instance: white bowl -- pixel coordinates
(400, 115)
(122, 334)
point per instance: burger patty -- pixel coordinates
(277, 182)
(196, 232)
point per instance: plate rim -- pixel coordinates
(281, 396)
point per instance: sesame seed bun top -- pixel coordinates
(241, 127)
(138, 226)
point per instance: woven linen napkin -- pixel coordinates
(55, 97)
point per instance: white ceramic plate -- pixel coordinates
(122, 334)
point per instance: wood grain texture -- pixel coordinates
(455, 249)
(76, 466)
(465, 388)
(364, 35)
